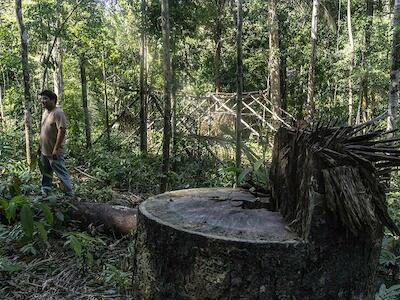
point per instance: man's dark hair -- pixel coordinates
(49, 94)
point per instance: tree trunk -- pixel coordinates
(106, 103)
(239, 87)
(174, 141)
(351, 65)
(218, 43)
(364, 98)
(394, 73)
(167, 94)
(109, 218)
(143, 83)
(58, 59)
(274, 62)
(25, 70)
(86, 115)
(3, 123)
(337, 49)
(313, 61)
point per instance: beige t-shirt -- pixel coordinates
(52, 121)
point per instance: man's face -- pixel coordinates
(47, 102)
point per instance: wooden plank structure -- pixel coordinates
(318, 237)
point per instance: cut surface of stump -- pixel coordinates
(202, 244)
(217, 213)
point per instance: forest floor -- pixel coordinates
(98, 267)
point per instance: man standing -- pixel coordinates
(52, 144)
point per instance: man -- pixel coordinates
(52, 144)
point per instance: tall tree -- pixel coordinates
(107, 121)
(351, 65)
(313, 60)
(239, 85)
(143, 83)
(218, 20)
(86, 115)
(58, 57)
(1, 106)
(394, 72)
(25, 70)
(274, 61)
(167, 93)
(364, 97)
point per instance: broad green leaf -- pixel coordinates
(3, 204)
(75, 245)
(11, 211)
(243, 174)
(20, 200)
(47, 213)
(258, 164)
(42, 231)
(26, 217)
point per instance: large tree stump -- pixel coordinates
(322, 241)
(201, 244)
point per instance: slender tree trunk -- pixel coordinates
(364, 61)
(25, 69)
(45, 75)
(282, 32)
(218, 43)
(313, 61)
(58, 59)
(174, 141)
(86, 115)
(239, 86)
(337, 48)
(351, 55)
(394, 73)
(106, 102)
(143, 84)
(3, 123)
(167, 94)
(274, 62)
(1, 108)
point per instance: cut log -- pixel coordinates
(111, 218)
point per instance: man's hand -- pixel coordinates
(56, 153)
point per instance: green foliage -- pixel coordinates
(117, 278)
(257, 174)
(390, 293)
(84, 246)
(10, 266)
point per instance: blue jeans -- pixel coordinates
(58, 166)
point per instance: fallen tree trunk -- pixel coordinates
(109, 218)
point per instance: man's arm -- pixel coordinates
(59, 140)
